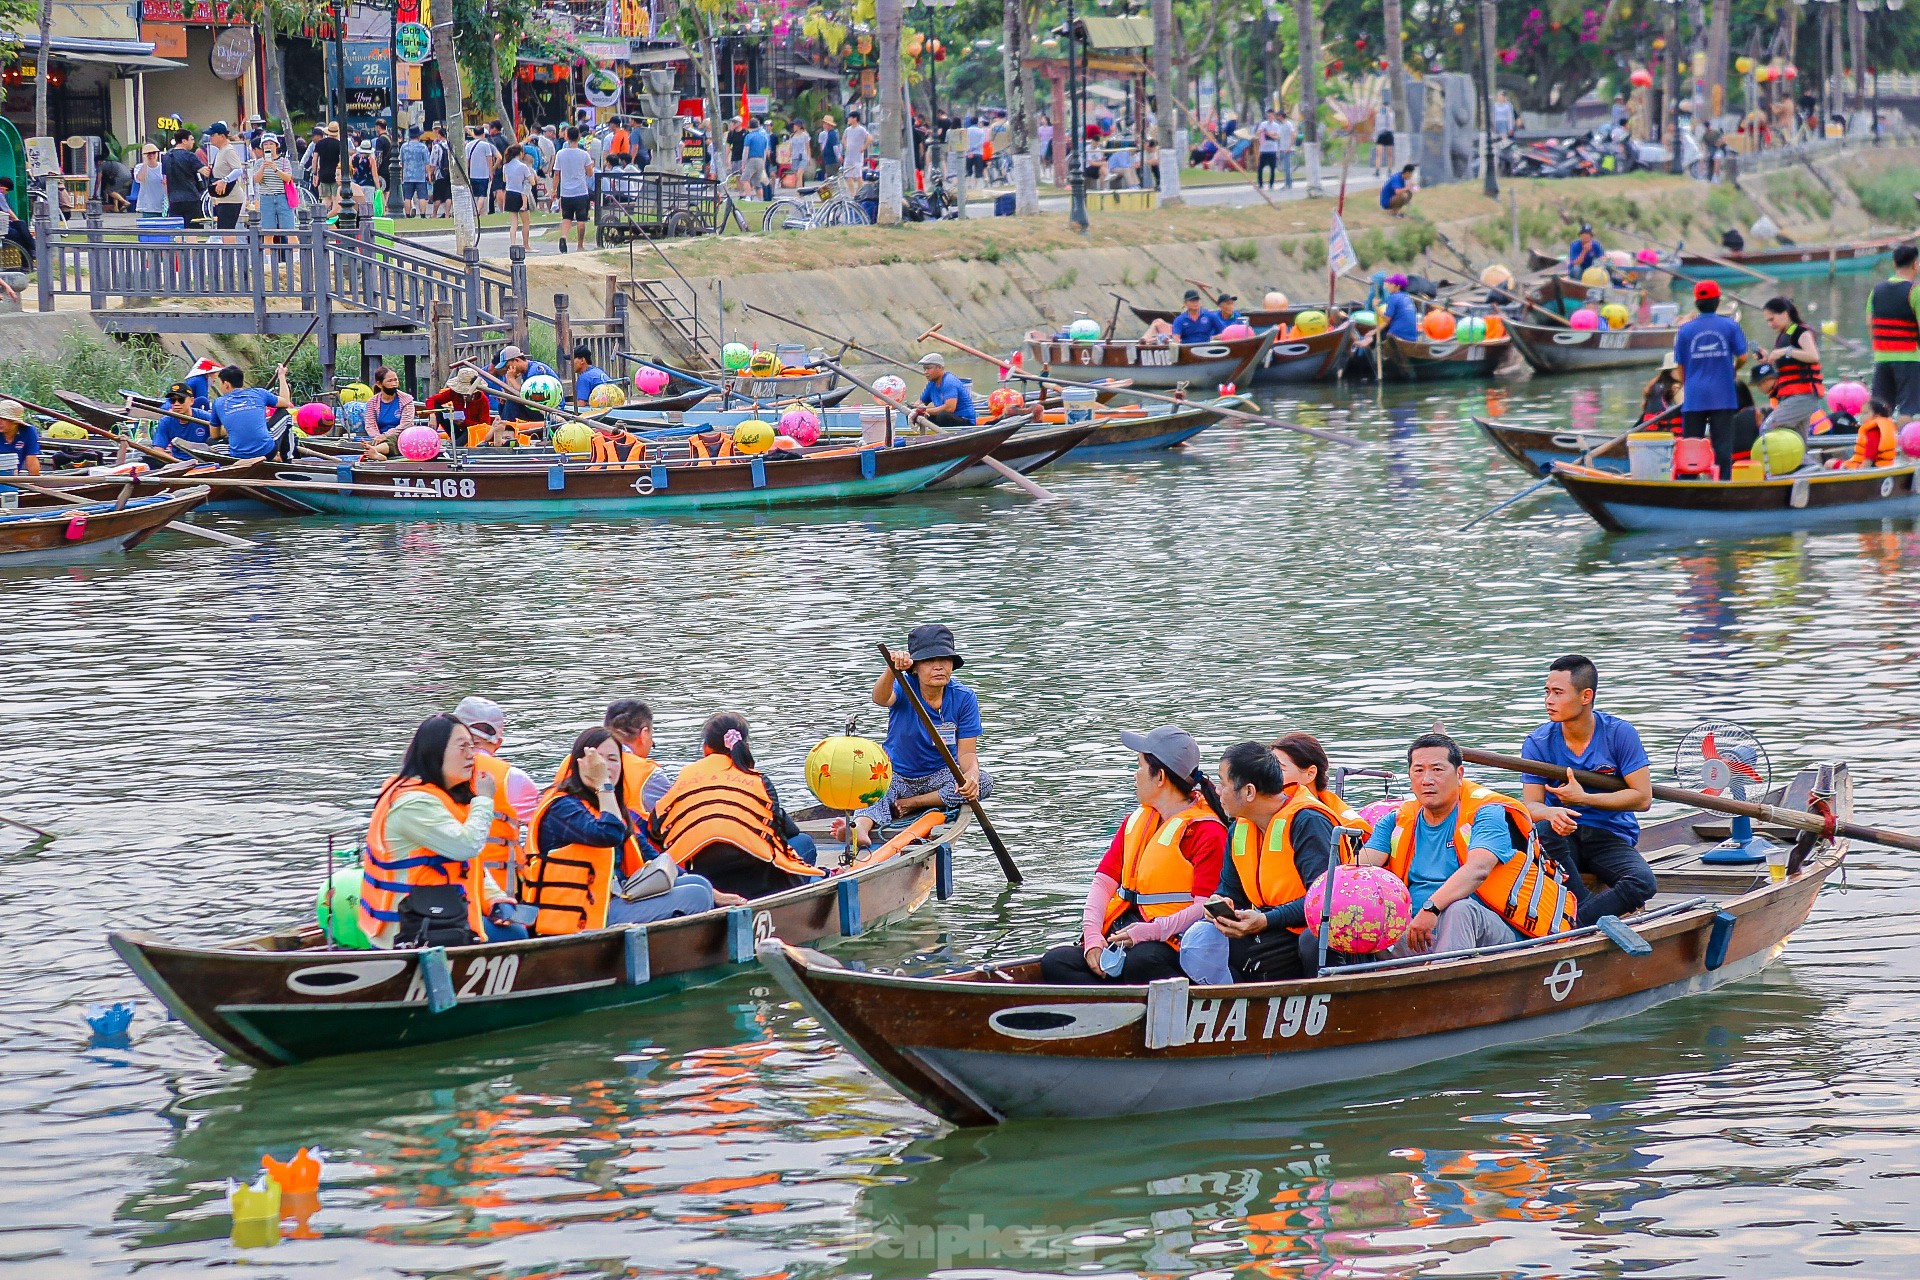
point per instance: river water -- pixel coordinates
(194, 724)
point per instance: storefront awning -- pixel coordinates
(804, 72)
(131, 55)
(1119, 33)
(657, 57)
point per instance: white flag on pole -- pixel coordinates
(1340, 256)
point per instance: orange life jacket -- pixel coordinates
(388, 875)
(1264, 860)
(1155, 877)
(571, 884)
(713, 802)
(634, 772)
(1795, 377)
(1526, 890)
(608, 449)
(702, 452)
(505, 856)
(1884, 448)
(1345, 815)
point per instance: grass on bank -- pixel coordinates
(1886, 193)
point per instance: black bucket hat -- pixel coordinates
(933, 640)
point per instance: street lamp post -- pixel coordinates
(1076, 132)
(1868, 7)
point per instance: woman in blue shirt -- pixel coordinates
(389, 413)
(921, 778)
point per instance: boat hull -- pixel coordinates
(1150, 365)
(1554, 349)
(1316, 359)
(1426, 361)
(1621, 504)
(1792, 261)
(47, 535)
(1028, 451)
(1535, 449)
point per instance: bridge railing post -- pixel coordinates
(304, 259)
(517, 256)
(617, 312)
(472, 316)
(43, 254)
(96, 278)
(320, 277)
(563, 339)
(259, 263)
(440, 355)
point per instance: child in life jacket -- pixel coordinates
(1876, 445)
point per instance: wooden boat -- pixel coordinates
(1151, 365)
(42, 531)
(1535, 449)
(1566, 296)
(1120, 435)
(1425, 360)
(290, 997)
(480, 487)
(1624, 505)
(1027, 450)
(1791, 260)
(991, 1044)
(1318, 358)
(1263, 318)
(1553, 348)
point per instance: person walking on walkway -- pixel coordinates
(151, 200)
(1268, 132)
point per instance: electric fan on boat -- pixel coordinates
(1720, 758)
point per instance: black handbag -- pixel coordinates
(434, 916)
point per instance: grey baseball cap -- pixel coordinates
(1169, 744)
(481, 713)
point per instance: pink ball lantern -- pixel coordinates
(1584, 318)
(1234, 332)
(1848, 398)
(1641, 78)
(801, 425)
(313, 419)
(1910, 439)
(650, 382)
(1371, 814)
(1371, 909)
(1648, 257)
(421, 444)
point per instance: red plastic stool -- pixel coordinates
(1694, 457)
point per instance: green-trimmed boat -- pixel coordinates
(291, 997)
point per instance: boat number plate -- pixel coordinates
(1218, 1021)
(484, 976)
(1797, 496)
(405, 487)
(1613, 341)
(1559, 983)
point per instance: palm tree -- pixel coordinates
(1401, 118)
(466, 227)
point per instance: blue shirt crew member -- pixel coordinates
(1708, 349)
(513, 369)
(19, 441)
(921, 778)
(1396, 193)
(945, 402)
(242, 411)
(1398, 314)
(1583, 252)
(181, 422)
(586, 375)
(1194, 324)
(1585, 831)
(1448, 914)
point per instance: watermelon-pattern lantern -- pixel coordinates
(734, 356)
(849, 773)
(1084, 330)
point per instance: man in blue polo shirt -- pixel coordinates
(1708, 348)
(243, 411)
(1194, 323)
(1582, 830)
(180, 421)
(1584, 252)
(945, 401)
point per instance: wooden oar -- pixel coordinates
(188, 481)
(1678, 249)
(26, 826)
(1817, 823)
(1262, 419)
(1007, 867)
(1523, 299)
(1547, 479)
(211, 535)
(881, 356)
(1027, 483)
(102, 432)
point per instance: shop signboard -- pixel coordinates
(194, 13)
(169, 39)
(413, 43)
(605, 50)
(602, 88)
(367, 65)
(232, 53)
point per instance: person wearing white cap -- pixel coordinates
(945, 402)
(19, 441)
(499, 863)
(1154, 882)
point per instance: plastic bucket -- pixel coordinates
(1079, 402)
(873, 425)
(1650, 455)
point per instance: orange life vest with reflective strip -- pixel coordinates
(1526, 890)
(634, 772)
(703, 452)
(1264, 859)
(712, 802)
(1885, 448)
(1795, 377)
(571, 884)
(1891, 322)
(505, 855)
(610, 449)
(388, 875)
(1155, 877)
(1344, 814)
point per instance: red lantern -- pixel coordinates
(1359, 42)
(1641, 78)
(1790, 73)
(526, 74)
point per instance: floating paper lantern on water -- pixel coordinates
(848, 773)
(803, 426)
(575, 438)
(110, 1021)
(1781, 450)
(1274, 301)
(259, 1202)
(1595, 277)
(607, 396)
(1910, 439)
(1585, 318)
(420, 444)
(1371, 909)
(650, 382)
(543, 391)
(1616, 315)
(753, 436)
(313, 419)
(1084, 330)
(299, 1176)
(1235, 332)
(337, 909)
(734, 356)
(1848, 398)
(1310, 323)
(1439, 325)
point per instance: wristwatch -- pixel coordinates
(1430, 906)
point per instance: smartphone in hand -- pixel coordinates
(1221, 909)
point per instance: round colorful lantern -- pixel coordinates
(734, 356)
(1439, 325)
(355, 392)
(1830, 327)
(607, 396)
(802, 425)
(1371, 909)
(1005, 400)
(1084, 330)
(753, 436)
(420, 444)
(650, 382)
(1910, 439)
(891, 387)
(1471, 329)
(1615, 314)
(352, 415)
(64, 431)
(574, 438)
(1782, 450)
(848, 773)
(313, 419)
(1743, 65)
(1496, 277)
(1648, 257)
(1848, 398)
(1640, 78)
(1371, 814)
(1310, 323)
(763, 364)
(1274, 301)
(1595, 277)
(1584, 318)
(1365, 320)
(1235, 332)
(1496, 328)
(337, 910)
(1619, 258)
(543, 391)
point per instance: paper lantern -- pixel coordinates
(1005, 400)
(753, 436)
(64, 431)
(891, 387)
(352, 415)
(1648, 257)
(1910, 439)
(420, 444)
(607, 396)
(1641, 78)
(763, 364)
(1764, 75)
(1595, 277)
(1829, 327)
(1084, 330)
(1585, 318)
(1496, 328)
(313, 418)
(1309, 323)
(1619, 258)
(848, 773)
(1274, 301)
(1372, 813)
(1615, 314)
(1789, 73)
(1365, 320)
(1782, 450)
(1235, 332)
(650, 382)
(337, 909)
(802, 425)
(574, 438)
(299, 1176)
(1471, 329)
(355, 391)
(543, 391)
(1743, 65)
(259, 1202)
(1496, 277)
(734, 356)
(1848, 398)
(1438, 325)
(1371, 909)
